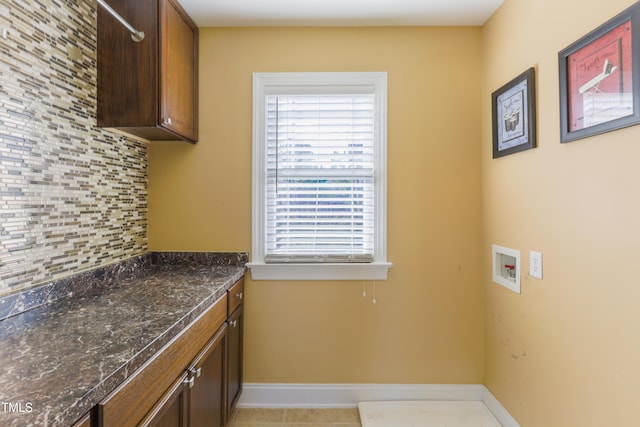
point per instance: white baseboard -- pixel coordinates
(263, 395)
(498, 410)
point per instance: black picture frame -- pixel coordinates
(513, 109)
(600, 78)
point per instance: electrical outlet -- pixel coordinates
(535, 264)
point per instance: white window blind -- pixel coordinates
(319, 181)
(320, 191)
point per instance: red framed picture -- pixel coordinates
(599, 85)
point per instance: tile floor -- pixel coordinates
(427, 413)
(295, 417)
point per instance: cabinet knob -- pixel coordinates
(239, 295)
(168, 121)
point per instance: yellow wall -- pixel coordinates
(427, 325)
(563, 353)
(567, 351)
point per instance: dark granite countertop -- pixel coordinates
(59, 359)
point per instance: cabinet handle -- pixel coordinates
(233, 323)
(168, 121)
(195, 372)
(189, 381)
(239, 295)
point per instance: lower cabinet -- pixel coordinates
(234, 348)
(206, 393)
(234, 368)
(193, 381)
(196, 399)
(171, 410)
(84, 421)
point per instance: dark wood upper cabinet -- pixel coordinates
(148, 88)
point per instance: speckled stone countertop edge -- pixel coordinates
(201, 269)
(118, 377)
(100, 278)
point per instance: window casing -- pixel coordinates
(319, 176)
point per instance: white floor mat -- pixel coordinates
(426, 414)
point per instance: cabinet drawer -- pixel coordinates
(131, 401)
(236, 295)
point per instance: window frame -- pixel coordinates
(265, 84)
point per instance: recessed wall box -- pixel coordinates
(506, 267)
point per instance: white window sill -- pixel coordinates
(318, 271)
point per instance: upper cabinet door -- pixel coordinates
(128, 71)
(148, 89)
(178, 71)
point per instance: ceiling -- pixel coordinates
(219, 13)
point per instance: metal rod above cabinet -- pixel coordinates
(136, 35)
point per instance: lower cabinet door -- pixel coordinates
(206, 396)
(84, 421)
(171, 409)
(234, 359)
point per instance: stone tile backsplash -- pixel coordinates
(74, 196)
